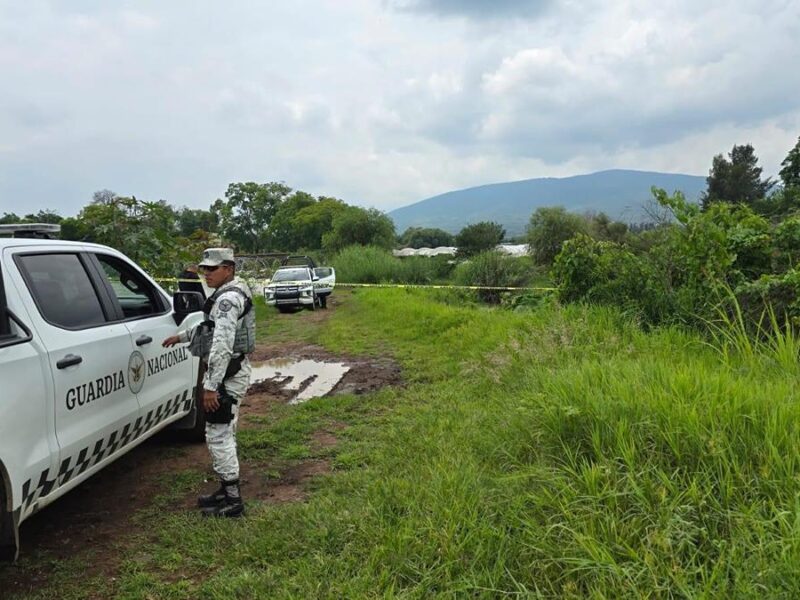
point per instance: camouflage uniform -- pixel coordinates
(229, 327)
(220, 437)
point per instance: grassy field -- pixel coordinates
(556, 453)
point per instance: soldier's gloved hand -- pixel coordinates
(171, 341)
(210, 401)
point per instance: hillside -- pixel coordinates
(621, 194)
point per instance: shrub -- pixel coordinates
(492, 269)
(548, 229)
(608, 273)
(479, 237)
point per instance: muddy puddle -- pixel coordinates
(304, 378)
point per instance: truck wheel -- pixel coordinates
(323, 301)
(9, 544)
(198, 432)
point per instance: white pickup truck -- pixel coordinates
(83, 374)
(300, 285)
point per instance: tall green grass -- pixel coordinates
(740, 340)
(369, 264)
(557, 453)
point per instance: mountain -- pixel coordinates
(621, 194)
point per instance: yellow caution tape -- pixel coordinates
(401, 285)
(445, 287)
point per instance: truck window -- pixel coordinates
(291, 275)
(137, 297)
(62, 290)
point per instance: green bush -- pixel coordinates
(686, 270)
(549, 227)
(608, 273)
(493, 269)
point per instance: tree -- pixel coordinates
(426, 237)
(603, 228)
(282, 231)
(359, 226)
(736, 179)
(549, 227)
(9, 218)
(43, 216)
(104, 197)
(313, 222)
(246, 213)
(145, 231)
(790, 167)
(195, 219)
(479, 237)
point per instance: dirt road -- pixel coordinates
(96, 523)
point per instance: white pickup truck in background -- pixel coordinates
(82, 369)
(300, 285)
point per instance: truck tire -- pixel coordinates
(9, 543)
(198, 432)
(323, 301)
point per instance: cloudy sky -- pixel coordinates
(381, 102)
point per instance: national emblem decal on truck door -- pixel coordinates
(136, 372)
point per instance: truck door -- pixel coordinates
(327, 279)
(28, 447)
(92, 360)
(167, 379)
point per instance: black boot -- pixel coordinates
(231, 505)
(212, 500)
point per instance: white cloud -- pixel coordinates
(376, 105)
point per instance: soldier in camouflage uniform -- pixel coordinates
(223, 342)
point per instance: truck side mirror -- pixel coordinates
(185, 303)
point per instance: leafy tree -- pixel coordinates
(426, 237)
(790, 168)
(246, 213)
(736, 179)
(190, 220)
(9, 218)
(549, 227)
(479, 237)
(145, 231)
(42, 216)
(282, 230)
(601, 227)
(359, 226)
(313, 222)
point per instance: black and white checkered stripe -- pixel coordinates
(102, 448)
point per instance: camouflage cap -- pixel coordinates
(216, 256)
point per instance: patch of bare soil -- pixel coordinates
(366, 374)
(95, 521)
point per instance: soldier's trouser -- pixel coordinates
(221, 437)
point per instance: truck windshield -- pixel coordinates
(292, 275)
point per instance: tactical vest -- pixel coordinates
(245, 340)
